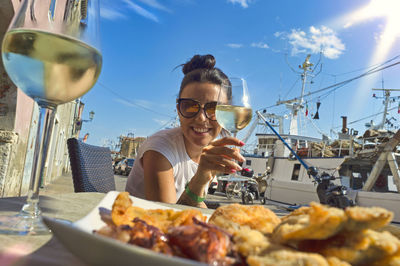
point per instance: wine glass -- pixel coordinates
(51, 52)
(234, 114)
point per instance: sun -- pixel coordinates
(389, 11)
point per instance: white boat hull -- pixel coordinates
(282, 188)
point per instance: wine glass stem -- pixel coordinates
(44, 132)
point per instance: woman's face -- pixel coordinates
(199, 131)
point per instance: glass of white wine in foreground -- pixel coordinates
(51, 52)
(235, 114)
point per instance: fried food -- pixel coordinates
(314, 235)
(356, 248)
(123, 213)
(287, 258)
(233, 217)
(333, 261)
(202, 242)
(314, 222)
(389, 261)
(361, 218)
(250, 242)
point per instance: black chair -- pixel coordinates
(91, 167)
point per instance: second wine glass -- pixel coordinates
(234, 114)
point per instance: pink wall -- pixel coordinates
(23, 114)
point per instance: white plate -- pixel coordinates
(98, 250)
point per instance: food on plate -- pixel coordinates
(362, 217)
(253, 235)
(389, 261)
(175, 233)
(203, 242)
(250, 242)
(287, 258)
(357, 248)
(123, 213)
(233, 217)
(314, 222)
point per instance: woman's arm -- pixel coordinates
(159, 181)
(195, 188)
(159, 184)
(215, 158)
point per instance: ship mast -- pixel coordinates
(295, 105)
(386, 103)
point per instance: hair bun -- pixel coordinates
(199, 61)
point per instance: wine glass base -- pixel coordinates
(22, 225)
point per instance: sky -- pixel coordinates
(262, 41)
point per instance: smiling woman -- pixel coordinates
(176, 165)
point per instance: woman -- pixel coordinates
(176, 165)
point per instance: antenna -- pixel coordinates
(386, 102)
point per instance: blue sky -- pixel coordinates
(260, 40)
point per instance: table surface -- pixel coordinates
(45, 249)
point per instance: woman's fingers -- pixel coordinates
(227, 141)
(219, 163)
(232, 153)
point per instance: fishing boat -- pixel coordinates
(367, 166)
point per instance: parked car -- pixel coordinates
(124, 167)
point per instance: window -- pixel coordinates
(248, 162)
(296, 172)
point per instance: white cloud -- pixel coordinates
(155, 4)
(162, 122)
(260, 45)
(117, 9)
(316, 40)
(234, 45)
(141, 11)
(111, 14)
(135, 103)
(243, 3)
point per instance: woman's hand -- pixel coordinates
(215, 158)
(218, 158)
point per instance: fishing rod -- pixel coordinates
(328, 193)
(310, 170)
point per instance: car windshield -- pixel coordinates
(130, 162)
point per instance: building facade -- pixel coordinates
(130, 146)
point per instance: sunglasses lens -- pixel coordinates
(189, 108)
(210, 110)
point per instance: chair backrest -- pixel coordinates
(91, 167)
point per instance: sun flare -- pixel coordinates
(389, 11)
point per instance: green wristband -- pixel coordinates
(193, 196)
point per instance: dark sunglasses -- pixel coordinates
(189, 108)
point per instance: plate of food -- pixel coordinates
(124, 230)
(96, 249)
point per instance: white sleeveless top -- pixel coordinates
(169, 143)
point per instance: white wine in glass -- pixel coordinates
(51, 52)
(234, 114)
